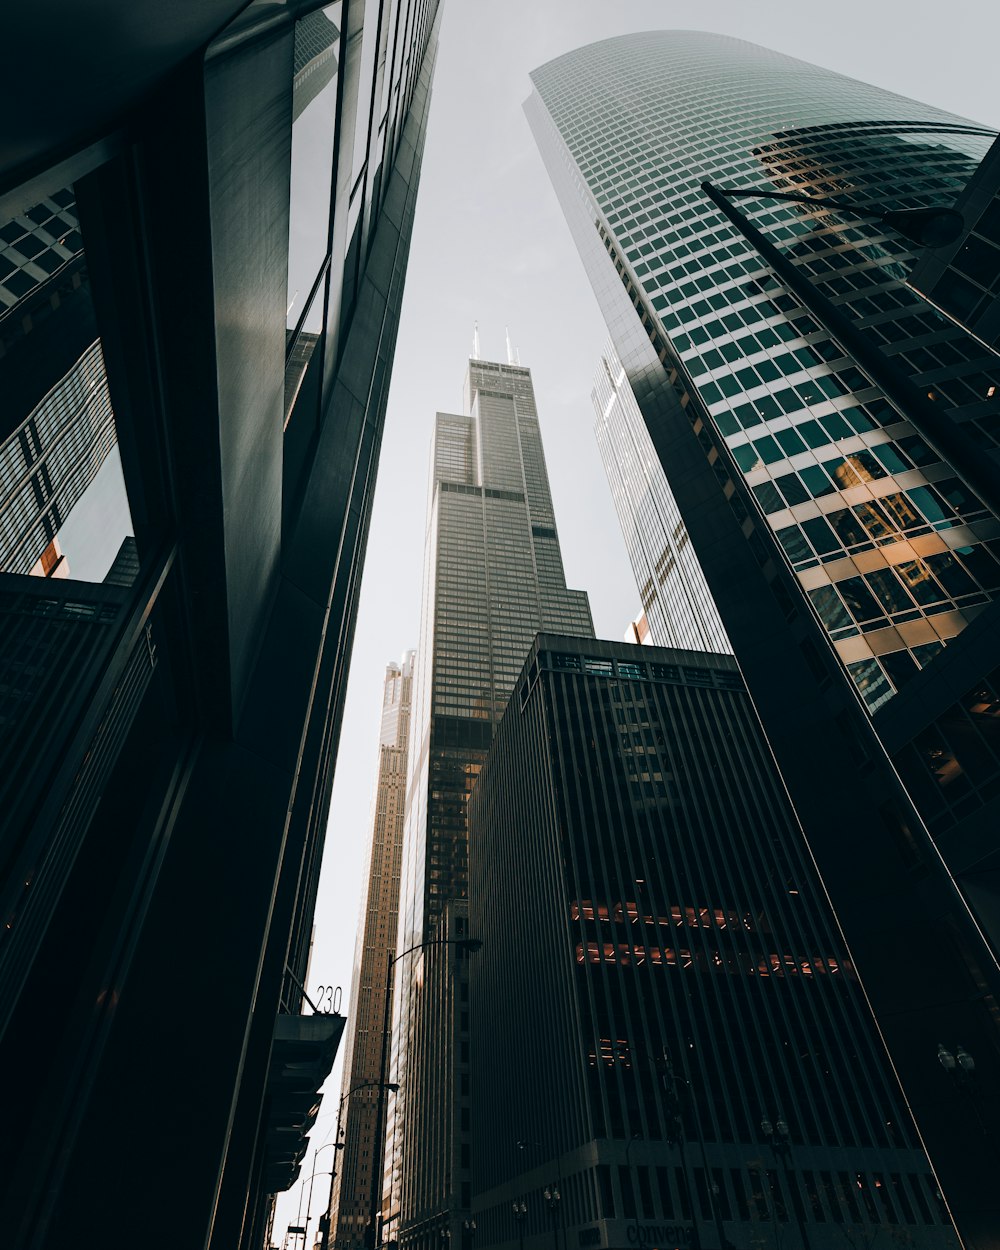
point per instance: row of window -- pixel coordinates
(636, 670)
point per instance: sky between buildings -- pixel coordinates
(490, 244)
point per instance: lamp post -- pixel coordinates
(467, 944)
(674, 1116)
(330, 1145)
(337, 1144)
(552, 1198)
(961, 1068)
(946, 437)
(778, 1136)
(520, 1214)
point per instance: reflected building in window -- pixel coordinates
(191, 423)
(963, 278)
(57, 435)
(829, 437)
(675, 1050)
(493, 576)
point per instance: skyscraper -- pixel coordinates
(798, 393)
(360, 1164)
(493, 577)
(676, 604)
(670, 1046)
(203, 243)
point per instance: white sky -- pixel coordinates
(490, 244)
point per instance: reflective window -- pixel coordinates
(64, 511)
(314, 107)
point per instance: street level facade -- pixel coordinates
(670, 1046)
(203, 243)
(493, 576)
(829, 438)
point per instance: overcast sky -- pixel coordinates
(490, 244)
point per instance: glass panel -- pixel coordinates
(366, 85)
(917, 577)
(314, 107)
(950, 574)
(832, 612)
(859, 599)
(871, 682)
(888, 591)
(64, 511)
(299, 367)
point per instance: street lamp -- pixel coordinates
(946, 437)
(325, 1218)
(330, 1145)
(552, 1198)
(961, 1063)
(781, 1143)
(520, 1214)
(469, 944)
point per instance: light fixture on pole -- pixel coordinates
(520, 1214)
(779, 1137)
(326, 1218)
(468, 944)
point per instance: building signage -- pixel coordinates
(662, 1236)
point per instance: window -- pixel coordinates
(626, 669)
(831, 610)
(562, 661)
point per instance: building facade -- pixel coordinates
(677, 608)
(359, 1166)
(820, 425)
(203, 243)
(670, 1045)
(963, 279)
(493, 577)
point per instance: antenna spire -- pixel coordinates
(510, 350)
(475, 342)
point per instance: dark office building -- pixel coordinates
(204, 224)
(829, 439)
(670, 1046)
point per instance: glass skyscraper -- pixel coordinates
(854, 567)
(676, 602)
(493, 577)
(839, 475)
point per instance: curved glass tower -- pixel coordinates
(893, 550)
(831, 440)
